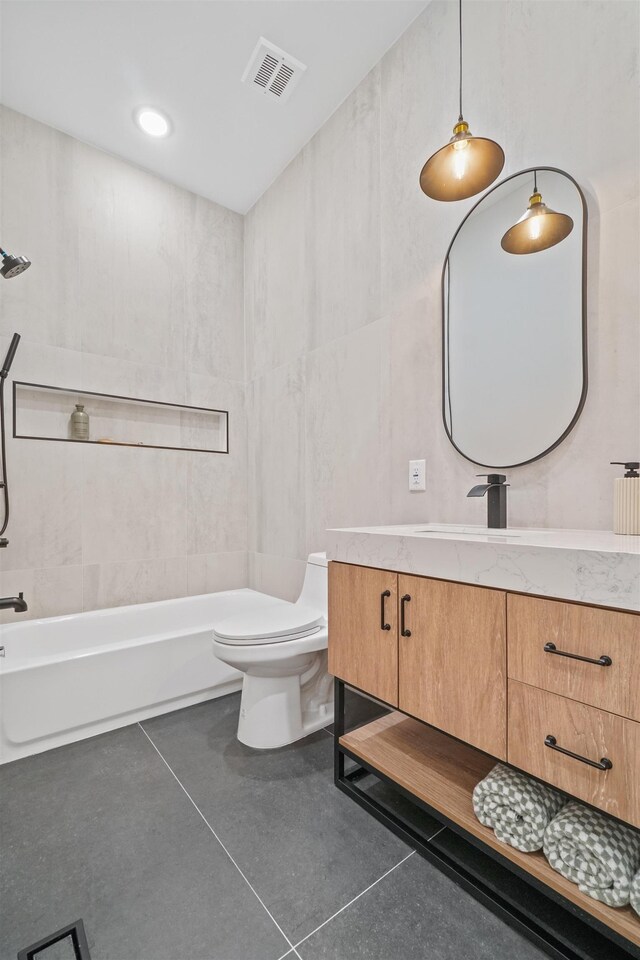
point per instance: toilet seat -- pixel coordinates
(285, 621)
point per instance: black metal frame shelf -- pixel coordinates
(555, 925)
(124, 399)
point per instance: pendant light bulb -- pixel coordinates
(538, 228)
(464, 166)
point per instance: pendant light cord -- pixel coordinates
(535, 181)
(460, 35)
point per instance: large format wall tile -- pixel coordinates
(45, 528)
(344, 184)
(277, 269)
(40, 216)
(217, 486)
(134, 241)
(346, 420)
(418, 81)
(212, 269)
(276, 403)
(130, 379)
(134, 503)
(360, 432)
(276, 575)
(136, 289)
(133, 581)
(216, 511)
(49, 592)
(207, 573)
(342, 268)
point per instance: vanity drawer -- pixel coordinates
(600, 635)
(593, 734)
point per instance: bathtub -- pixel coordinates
(66, 678)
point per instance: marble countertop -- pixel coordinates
(590, 566)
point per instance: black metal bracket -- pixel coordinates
(518, 898)
(75, 931)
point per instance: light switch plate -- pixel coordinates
(417, 475)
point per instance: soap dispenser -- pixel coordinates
(626, 499)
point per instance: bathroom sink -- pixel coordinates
(454, 529)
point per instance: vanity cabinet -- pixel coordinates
(452, 660)
(434, 649)
(589, 733)
(475, 674)
(363, 622)
(584, 653)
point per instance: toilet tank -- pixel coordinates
(314, 588)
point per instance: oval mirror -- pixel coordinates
(514, 327)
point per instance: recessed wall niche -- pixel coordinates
(42, 412)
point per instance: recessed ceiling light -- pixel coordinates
(153, 122)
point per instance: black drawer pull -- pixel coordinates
(603, 764)
(383, 624)
(403, 629)
(603, 661)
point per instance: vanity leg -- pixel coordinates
(338, 730)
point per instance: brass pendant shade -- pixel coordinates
(462, 168)
(537, 229)
(467, 164)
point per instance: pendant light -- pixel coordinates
(538, 228)
(467, 164)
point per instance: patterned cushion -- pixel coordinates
(518, 808)
(596, 852)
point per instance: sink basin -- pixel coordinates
(454, 529)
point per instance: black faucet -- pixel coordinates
(19, 604)
(497, 500)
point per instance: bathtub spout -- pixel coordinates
(19, 604)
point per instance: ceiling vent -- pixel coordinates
(272, 71)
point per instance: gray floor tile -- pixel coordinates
(101, 830)
(416, 913)
(306, 847)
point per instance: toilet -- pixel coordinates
(282, 652)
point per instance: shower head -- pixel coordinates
(13, 266)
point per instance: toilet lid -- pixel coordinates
(276, 623)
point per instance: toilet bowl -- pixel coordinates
(282, 652)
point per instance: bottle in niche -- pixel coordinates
(79, 422)
(626, 499)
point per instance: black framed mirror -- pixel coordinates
(514, 335)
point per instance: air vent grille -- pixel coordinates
(265, 71)
(272, 71)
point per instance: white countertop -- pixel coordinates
(591, 566)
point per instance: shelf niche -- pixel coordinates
(42, 412)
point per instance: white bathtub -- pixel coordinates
(67, 678)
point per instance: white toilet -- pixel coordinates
(282, 651)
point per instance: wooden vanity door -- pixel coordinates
(452, 667)
(361, 652)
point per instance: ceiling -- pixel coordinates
(84, 66)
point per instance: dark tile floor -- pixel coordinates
(172, 841)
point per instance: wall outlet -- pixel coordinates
(417, 475)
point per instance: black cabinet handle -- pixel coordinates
(403, 602)
(383, 596)
(603, 764)
(603, 661)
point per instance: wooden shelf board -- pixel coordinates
(442, 772)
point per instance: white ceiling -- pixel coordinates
(84, 66)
